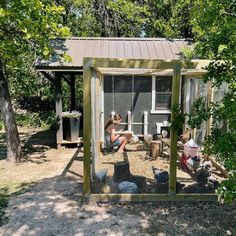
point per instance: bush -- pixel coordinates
(36, 120)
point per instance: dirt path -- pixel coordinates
(53, 206)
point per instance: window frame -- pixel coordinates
(154, 92)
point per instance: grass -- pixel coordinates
(3, 205)
(41, 160)
(15, 178)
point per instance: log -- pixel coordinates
(217, 166)
(155, 149)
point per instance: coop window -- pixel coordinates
(161, 94)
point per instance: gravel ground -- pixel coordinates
(54, 207)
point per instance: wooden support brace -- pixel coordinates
(66, 79)
(217, 166)
(49, 77)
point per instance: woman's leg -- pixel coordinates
(123, 140)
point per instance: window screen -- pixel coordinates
(163, 92)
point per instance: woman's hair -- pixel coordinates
(108, 123)
(116, 117)
(112, 120)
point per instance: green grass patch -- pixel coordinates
(4, 198)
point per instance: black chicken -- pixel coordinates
(161, 176)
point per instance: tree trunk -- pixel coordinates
(12, 136)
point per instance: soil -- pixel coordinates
(53, 205)
(140, 164)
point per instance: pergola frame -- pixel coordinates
(94, 68)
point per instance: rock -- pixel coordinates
(128, 187)
(101, 174)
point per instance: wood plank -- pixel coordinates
(217, 166)
(124, 132)
(173, 130)
(148, 64)
(87, 125)
(70, 142)
(152, 197)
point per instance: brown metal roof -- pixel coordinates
(122, 48)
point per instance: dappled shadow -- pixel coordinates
(36, 144)
(54, 207)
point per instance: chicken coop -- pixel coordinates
(186, 80)
(143, 80)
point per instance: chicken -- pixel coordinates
(186, 136)
(193, 163)
(161, 176)
(202, 176)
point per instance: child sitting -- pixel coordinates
(112, 139)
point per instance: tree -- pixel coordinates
(105, 18)
(214, 24)
(169, 18)
(26, 27)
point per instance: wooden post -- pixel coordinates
(58, 91)
(210, 97)
(87, 126)
(72, 92)
(93, 125)
(174, 131)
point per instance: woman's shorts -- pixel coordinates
(116, 143)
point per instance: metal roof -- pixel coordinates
(122, 48)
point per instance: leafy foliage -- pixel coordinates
(215, 26)
(199, 112)
(178, 117)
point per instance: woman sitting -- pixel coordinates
(112, 139)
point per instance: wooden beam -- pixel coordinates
(58, 91)
(152, 197)
(87, 126)
(174, 130)
(147, 64)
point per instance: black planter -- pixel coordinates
(71, 128)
